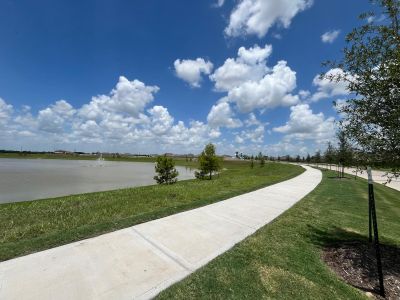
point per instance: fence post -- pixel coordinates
(373, 220)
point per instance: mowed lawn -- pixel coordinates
(28, 227)
(283, 259)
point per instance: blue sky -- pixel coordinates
(156, 76)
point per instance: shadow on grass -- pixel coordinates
(352, 257)
(339, 178)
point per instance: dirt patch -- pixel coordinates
(355, 262)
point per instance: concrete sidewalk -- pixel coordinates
(140, 261)
(377, 176)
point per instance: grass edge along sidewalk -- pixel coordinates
(283, 259)
(32, 226)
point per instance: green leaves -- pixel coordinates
(208, 162)
(165, 167)
(371, 120)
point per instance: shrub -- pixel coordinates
(165, 167)
(262, 159)
(199, 174)
(208, 162)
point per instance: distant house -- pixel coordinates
(85, 154)
(228, 157)
(62, 152)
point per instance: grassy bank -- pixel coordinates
(31, 226)
(283, 259)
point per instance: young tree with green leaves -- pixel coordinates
(165, 167)
(329, 155)
(371, 69)
(209, 162)
(344, 152)
(262, 159)
(317, 157)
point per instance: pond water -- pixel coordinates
(32, 179)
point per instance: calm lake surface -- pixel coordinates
(32, 179)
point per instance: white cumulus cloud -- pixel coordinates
(271, 91)
(330, 36)
(119, 121)
(252, 120)
(233, 73)
(256, 17)
(220, 3)
(221, 115)
(251, 84)
(191, 70)
(303, 124)
(5, 111)
(128, 97)
(254, 135)
(161, 120)
(254, 55)
(55, 117)
(327, 88)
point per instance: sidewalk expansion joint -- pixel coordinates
(162, 250)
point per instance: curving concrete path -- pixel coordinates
(377, 176)
(140, 261)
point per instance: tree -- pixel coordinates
(344, 153)
(308, 158)
(298, 158)
(317, 157)
(252, 162)
(262, 159)
(329, 154)
(208, 162)
(357, 162)
(371, 69)
(165, 167)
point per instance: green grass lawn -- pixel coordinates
(27, 227)
(283, 259)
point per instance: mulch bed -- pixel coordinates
(355, 262)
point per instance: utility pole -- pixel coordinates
(373, 224)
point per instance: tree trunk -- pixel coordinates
(210, 175)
